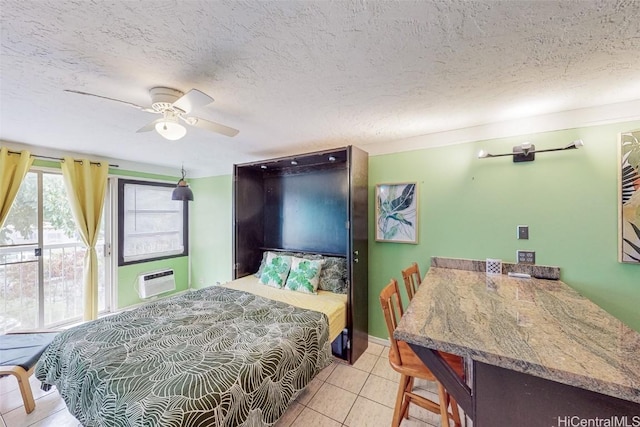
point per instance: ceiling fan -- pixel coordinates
(174, 106)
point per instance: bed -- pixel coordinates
(334, 305)
(223, 356)
(312, 203)
(219, 356)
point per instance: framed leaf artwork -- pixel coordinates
(629, 196)
(397, 213)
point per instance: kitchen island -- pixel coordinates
(540, 354)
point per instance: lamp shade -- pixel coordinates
(170, 129)
(182, 191)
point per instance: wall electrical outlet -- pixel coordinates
(523, 232)
(526, 257)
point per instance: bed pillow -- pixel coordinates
(262, 263)
(276, 269)
(304, 275)
(333, 277)
(297, 254)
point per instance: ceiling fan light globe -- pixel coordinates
(171, 130)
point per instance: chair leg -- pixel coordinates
(397, 413)
(25, 388)
(443, 400)
(407, 399)
(454, 411)
(410, 385)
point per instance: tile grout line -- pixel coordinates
(50, 414)
(357, 396)
(21, 408)
(352, 405)
(368, 373)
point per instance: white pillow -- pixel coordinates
(304, 275)
(275, 270)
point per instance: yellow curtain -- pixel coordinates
(86, 185)
(13, 168)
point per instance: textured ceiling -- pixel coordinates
(297, 76)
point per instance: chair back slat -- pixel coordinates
(412, 278)
(403, 360)
(392, 310)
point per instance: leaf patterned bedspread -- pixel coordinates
(213, 357)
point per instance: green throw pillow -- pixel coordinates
(304, 275)
(275, 270)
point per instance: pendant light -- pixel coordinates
(182, 190)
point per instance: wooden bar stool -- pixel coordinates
(412, 279)
(19, 353)
(404, 361)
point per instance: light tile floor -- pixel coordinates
(341, 395)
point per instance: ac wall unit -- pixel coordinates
(156, 283)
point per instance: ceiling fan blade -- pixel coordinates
(149, 126)
(112, 99)
(192, 100)
(212, 126)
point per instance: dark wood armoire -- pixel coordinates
(315, 202)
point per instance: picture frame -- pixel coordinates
(629, 197)
(396, 212)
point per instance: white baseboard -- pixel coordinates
(380, 341)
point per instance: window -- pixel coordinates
(46, 290)
(151, 226)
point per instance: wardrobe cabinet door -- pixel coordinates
(358, 255)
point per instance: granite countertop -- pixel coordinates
(536, 326)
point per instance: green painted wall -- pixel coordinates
(128, 275)
(46, 163)
(112, 171)
(211, 230)
(128, 278)
(142, 175)
(470, 207)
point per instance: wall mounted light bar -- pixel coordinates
(526, 152)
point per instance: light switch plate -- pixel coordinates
(523, 232)
(526, 257)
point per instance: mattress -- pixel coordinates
(332, 304)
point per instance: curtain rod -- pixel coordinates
(61, 159)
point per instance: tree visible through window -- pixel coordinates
(21, 223)
(150, 225)
(44, 290)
